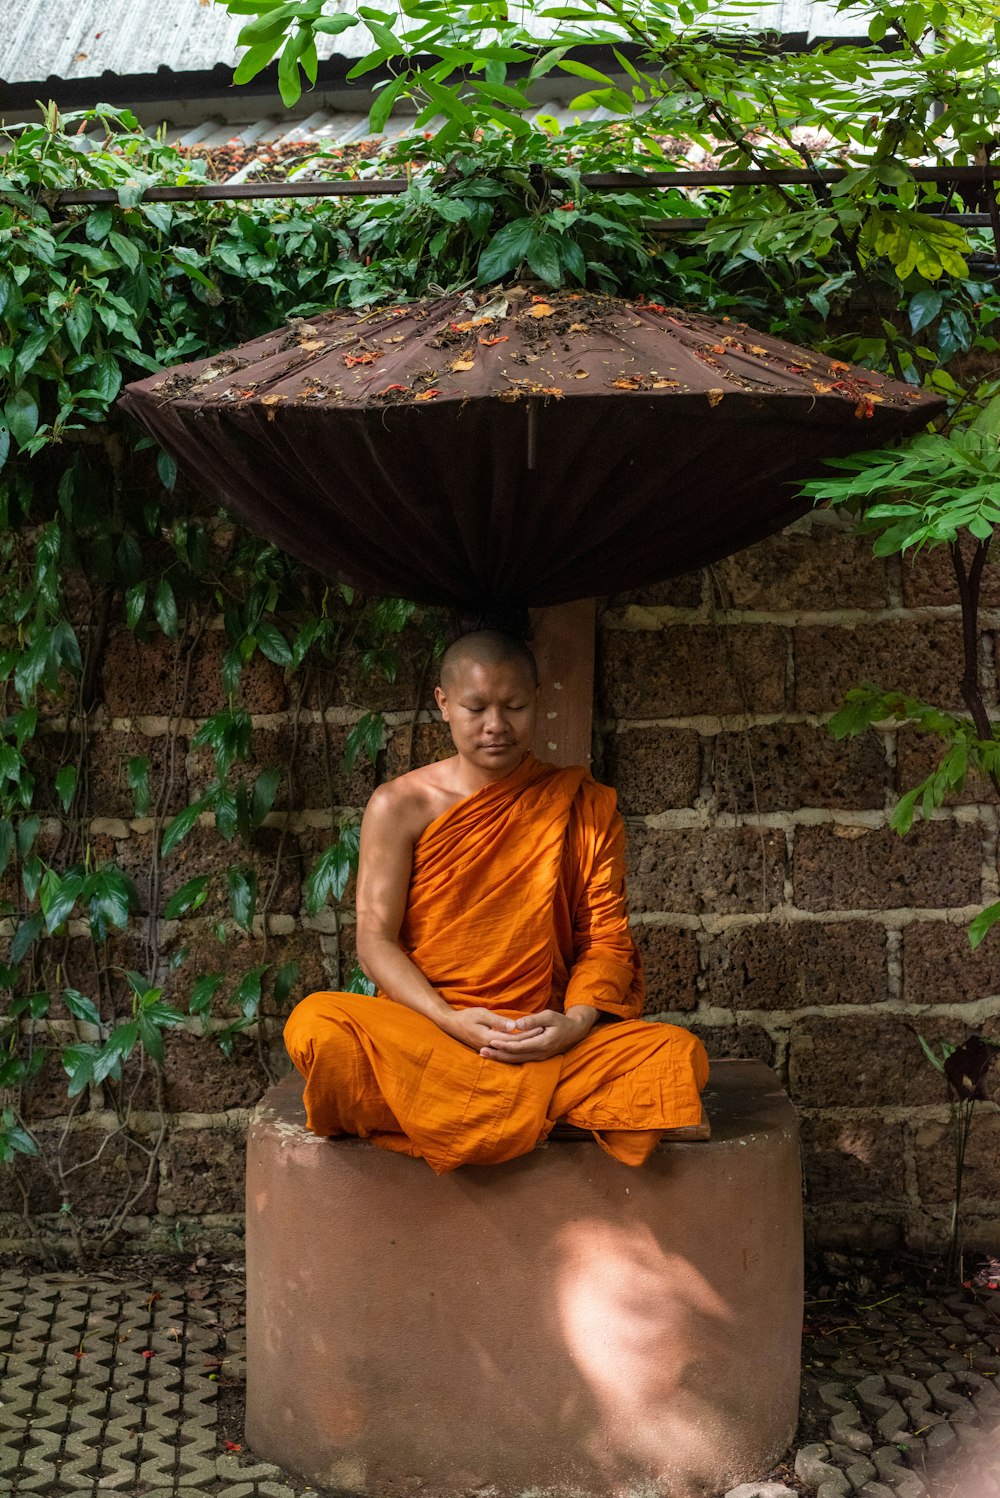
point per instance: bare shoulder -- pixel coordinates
(404, 807)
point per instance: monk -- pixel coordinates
(491, 917)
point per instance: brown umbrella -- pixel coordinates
(518, 449)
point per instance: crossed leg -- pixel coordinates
(380, 1071)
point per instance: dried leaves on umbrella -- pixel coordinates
(520, 448)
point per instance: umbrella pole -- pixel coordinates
(564, 648)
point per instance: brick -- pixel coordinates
(852, 1160)
(95, 970)
(863, 1062)
(924, 659)
(45, 1094)
(939, 966)
(48, 847)
(317, 972)
(790, 765)
(782, 966)
(142, 677)
(349, 684)
(826, 568)
(312, 761)
(935, 1155)
(721, 869)
(145, 678)
(431, 742)
(653, 768)
(237, 956)
(45, 755)
(78, 596)
(278, 1059)
(736, 1042)
(204, 851)
(670, 962)
(100, 1173)
(108, 758)
(199, 1078)
(204, 1172)
(929, 578)
(695, 668)
(918, 754)
(318, 778)
(859, 1227)
(871, 868)
(683, 592)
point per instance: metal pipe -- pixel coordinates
(594, 181)
(679, 225)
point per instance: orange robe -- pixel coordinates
(516, 904)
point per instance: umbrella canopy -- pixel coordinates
(529, 449)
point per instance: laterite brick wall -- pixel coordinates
(776, 912)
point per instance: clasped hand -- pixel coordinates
(534, 1037)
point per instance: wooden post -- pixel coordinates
(564, 648)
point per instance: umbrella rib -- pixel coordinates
(532, 457)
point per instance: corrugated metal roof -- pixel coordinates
(325, 129)
(76, 39)
(330, 130)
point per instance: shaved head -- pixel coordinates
(486, 647)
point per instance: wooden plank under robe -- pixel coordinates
(516, 904)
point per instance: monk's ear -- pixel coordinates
(442, 701)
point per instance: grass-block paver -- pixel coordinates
(131, 1386)
(112, 1387)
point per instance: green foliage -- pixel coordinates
(91, 297)
(983, 923)
(333, 868)
(685, 70)
(925, 495)
(965, 752)
(937, 1061)
(470, 67)
(942, 490)
(14, 1139)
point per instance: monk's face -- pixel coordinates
(490, 711)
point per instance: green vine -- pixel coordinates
(129, 889)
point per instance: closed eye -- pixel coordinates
(510, 707)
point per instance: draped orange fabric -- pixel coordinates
(516, 904)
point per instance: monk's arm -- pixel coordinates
(605, 972)
(388, 833)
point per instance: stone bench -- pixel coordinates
(561, 1323)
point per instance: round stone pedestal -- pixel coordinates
(561, 1324)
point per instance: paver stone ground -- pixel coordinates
(129, 1381)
